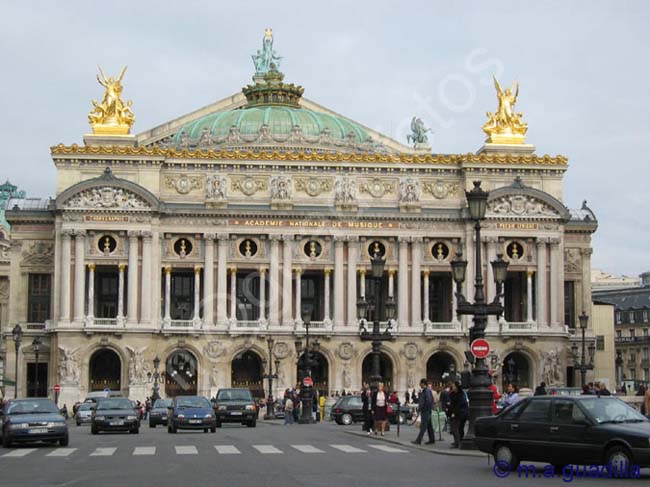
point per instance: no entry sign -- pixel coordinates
(307, 382)
(480, 348)
(57, 388)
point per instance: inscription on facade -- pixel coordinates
(105, 218)
(312, 223)
(517, 226)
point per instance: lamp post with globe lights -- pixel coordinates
(17, 335)
(270, 376)
(36, 346)
(583, 366)
(305, 364)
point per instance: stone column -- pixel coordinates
(353, 257)
(222, 279)
(168, 295)
(145, 297)
(339, 303)
(362, 283)
(197, 296)
(208, 280)
(274, 282)
(585, 254)
(555, 284)
(233, 294)
(287, 308)
(120, 294)
(326, 294)
(416, 294)
(391, 283)
(529, 296)
(132, 301)
(541, 304)
(91, 292)
(262, 305)
(79, 275)
(65, 275)
(298, 315)
(425, 288)
(402, 290)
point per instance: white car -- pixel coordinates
(84, 412)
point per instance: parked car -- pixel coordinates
(31, 420)
(158, 413)
(563, 391)
(114, 414)
(349, 409)
(235, 406)
(191, 412)
(561, 430)
(95, 395)
(84, 413)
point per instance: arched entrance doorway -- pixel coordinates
(441, 367)
(516, 369)
(105, 371)
(319, 373)
(181, 374)
(385, 370)
(247, 373)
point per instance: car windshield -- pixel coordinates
(114, 403)
(162, 403)
(611, 410)
(235, 395)
(87, 406)
(192, 402)
(32, 407)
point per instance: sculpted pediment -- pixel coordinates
(520, 205)
(106, 197)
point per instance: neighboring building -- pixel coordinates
(602, 315)
(603, 281)
(632, 325)
(198, 239)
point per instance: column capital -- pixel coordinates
(339, 239)
(554, 241)
(167, 269)
(417, 240)
(263, 269)
(147, 236)
(274, 237)
(222, 237)
(80, 234)
(209, 236)
(197, 269)
(426, 272)
(288, 238)
(391, 272)
(586, 251)
(530, 273)
(352, 238)
(233, 269)
(66, 233)
(541, 241)
(403, 240)
(327, 271)
(91, 267)
(362, 271)
(121, 267)
(297, 270)
(133, 234)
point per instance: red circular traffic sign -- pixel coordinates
(307, 382)
(480, 348)
(57, 388)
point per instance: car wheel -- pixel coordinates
(94, 430)
(151, 425)
(213, 429)
(505, 457)
(172, 428)
(205, 430)
(6, 441)
(65, 440)
(135, 431)
(618, 455)
(252, 424)
(347, 419)
(78, 423)
(218, 424)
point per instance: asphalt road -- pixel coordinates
(271, 454)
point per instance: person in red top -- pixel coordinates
(495, 394)
(393, 398)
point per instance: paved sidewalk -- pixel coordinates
(409, 433)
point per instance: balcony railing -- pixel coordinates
(315, 327)
(95, 322)
(182, 324)
(33, 326)
(247, 326)
(442, 327)
(641, 339)
(514, 327)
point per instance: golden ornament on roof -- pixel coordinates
(112, 116)
(505, 125)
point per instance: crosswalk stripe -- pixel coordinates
(307, 449)
(348, 449)
(186, 450)
(267, 449)
(227, 450)
(144, 450)
(19, 453)
(388, 449)
(62, 452)
(103, 452)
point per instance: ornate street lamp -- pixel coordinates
(376, 337)
(619, 367)
(583, 366)
(17, 335)
(36, 346)
(156, 376)
(480, 396)
(305, 363)
(270, 376)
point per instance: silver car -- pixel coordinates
(84, 412)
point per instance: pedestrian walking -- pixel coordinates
(379, 406)
(444, 405)
(366, 398)
(458, 411)
(540, 390)
(511, 397)
(495, 396)
(646, 402)
(288, 410)
(425, 406)
(407, 397)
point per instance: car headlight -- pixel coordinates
(54, 424)
(100, 418)
(17, 426)
(208, 416)
(250, 407)
(131, 418)
(221, 408)
(181, 416)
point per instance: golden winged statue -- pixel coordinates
(505, 125)
(112, 116)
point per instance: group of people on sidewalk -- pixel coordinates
(376, 406)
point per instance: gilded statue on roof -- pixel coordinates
(112, 116)
(505, 125)
(267, 57)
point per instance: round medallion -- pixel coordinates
(182, 247)
(377, 248)
(248, 186)
(313, 187)
(439, 190)
(376, 188)
(183, 185)
(313, 249)
(107, 244)
(515, 250)
(440, 251)
(248, 248)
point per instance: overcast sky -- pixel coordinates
(583, 68)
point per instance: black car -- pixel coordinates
(235, 406)
(158, 413)
(349, 409)
(191, 412)
(114, 414)
(563, 430)
(30, 420)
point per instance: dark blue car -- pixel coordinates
(31, 420)
(191, 413)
